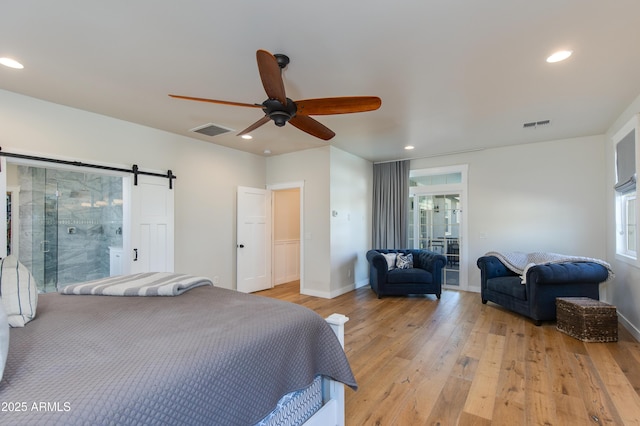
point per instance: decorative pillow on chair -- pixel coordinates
(18, 291)
(391, 260)
(405, 261)
(4, 338)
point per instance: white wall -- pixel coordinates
(208, 174)
(537, 197)
(311, 167)
(351, 194)
(334, 247)
(624, 291)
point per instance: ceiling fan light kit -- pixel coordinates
(278, 112)
(282, 110)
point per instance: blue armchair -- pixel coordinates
(425, 277)
(537, 298)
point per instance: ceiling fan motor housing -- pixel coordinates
(283, 60)
(278, 112)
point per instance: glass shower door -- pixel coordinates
(49, 245)
(68, 222)
(38, 236)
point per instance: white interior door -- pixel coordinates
(253, 251)
(152, 225)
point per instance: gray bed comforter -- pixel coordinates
(210, 356)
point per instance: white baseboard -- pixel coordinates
(343, 290)
(362, 283)
(328, 295)
(629, 326)
(315, 293)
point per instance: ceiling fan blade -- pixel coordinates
(271, 76)
(312, 126)
(255, 125)
(215, 101)
(340, 105)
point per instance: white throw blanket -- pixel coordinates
(144, 284)
(520, 262)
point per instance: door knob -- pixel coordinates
(241, 245)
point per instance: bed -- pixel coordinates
(209, 356)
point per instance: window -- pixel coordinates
(628, 204)
(626, 193)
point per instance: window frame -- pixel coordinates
(622, 201)
(622, 248)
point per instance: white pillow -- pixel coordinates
(391, 260)
(18, 291)
(4, 338)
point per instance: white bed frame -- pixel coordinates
(332, 411)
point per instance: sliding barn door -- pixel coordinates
(152, 225)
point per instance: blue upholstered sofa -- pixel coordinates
(425, 277)
(537, 298)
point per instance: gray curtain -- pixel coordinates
(390, 205)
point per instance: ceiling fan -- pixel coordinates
(281, 109)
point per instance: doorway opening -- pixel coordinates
(286, 236)
(287, 231)
(437, 220)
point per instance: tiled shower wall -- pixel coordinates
(68, 221)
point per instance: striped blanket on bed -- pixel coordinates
(144, 284)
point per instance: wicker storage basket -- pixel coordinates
(587, 319)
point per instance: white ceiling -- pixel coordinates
(453, 75)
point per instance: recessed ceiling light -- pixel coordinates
(559, 56)
(11, 63)
(409, 147)
(246, 137)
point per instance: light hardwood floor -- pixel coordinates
(455, 361)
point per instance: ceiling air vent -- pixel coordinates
(534, 124)
(210, 129)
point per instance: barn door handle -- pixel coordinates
(135, 259)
